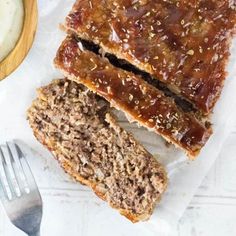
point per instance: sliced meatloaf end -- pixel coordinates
(78, 127)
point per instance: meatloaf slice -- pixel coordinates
(131, 94)
(77, 126)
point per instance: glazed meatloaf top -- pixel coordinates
(78, 127)
(130, 93)
(183, 43)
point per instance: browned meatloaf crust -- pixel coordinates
(129, 93)
(183, 43)
(77, 126)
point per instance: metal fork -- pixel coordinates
(18, 190)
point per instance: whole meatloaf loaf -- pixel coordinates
(185, 43)
(79, 129)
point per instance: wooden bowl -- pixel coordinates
(17, 55)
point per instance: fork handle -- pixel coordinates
(35, 234)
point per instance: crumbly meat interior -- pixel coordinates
(77, 126)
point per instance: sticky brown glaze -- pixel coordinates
(128, 92)
(183, 43)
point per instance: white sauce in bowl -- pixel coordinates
(11, 22)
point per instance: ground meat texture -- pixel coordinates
(79, 129)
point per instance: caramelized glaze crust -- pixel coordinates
(184, 43)
(129, 93)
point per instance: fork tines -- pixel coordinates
(16, 178)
